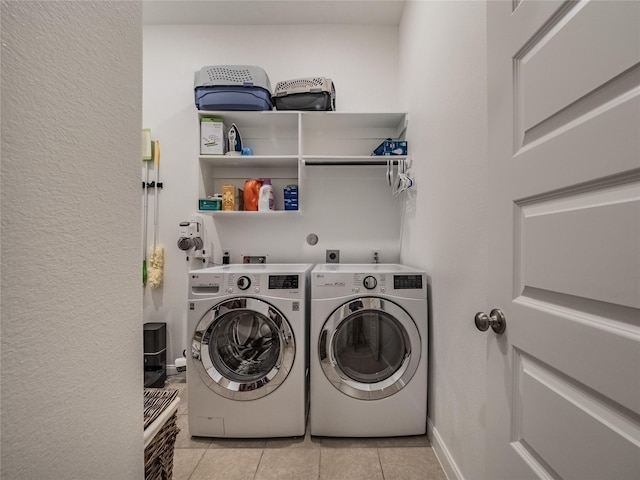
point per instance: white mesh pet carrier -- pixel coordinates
(232, 75)
(313, 93)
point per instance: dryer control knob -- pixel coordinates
(257, 289)
(230, 289)
(370, 282)
(356, 289)
(243, 283)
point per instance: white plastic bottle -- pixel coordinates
(265, 198)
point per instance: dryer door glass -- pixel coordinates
(369, 348)
(244, 348)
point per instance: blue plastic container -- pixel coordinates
(232, 87)
(232, 98)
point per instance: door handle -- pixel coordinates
(496, 320)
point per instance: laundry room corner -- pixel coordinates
(443, 85)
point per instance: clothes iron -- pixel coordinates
(235, 141)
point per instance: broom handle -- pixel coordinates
(156, 160)
(144, 230)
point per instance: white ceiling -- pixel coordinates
(272, 12)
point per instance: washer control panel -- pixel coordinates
(243, 283)
(370, 282)
(277, 281)
(278, 285)
(284, 282)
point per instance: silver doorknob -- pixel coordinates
(496, 320)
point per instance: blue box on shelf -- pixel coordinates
(291, 190)
(391, 147)
(291, 197)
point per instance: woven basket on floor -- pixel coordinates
(158, 455)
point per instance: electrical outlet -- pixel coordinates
(333, 256)
(375, 256)
(254, 259)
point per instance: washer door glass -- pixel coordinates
(369, 348)
(244, 348)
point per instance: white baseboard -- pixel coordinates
(447, 462)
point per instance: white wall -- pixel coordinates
(70, 190)
(443, 84)
(362, 62)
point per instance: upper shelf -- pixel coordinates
(355, 121)
(327, 138)
(338, 134)
(314, 120)
(261, 119)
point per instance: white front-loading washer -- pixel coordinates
(368, 350)
(246, 363)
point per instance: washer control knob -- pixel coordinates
(243, 283)
(370, 282)
(230, 289)
(257, 289)
(356, 289)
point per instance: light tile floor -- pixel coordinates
(298, 458)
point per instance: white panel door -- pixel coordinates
(564, 139)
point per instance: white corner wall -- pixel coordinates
(71, 363)
(443, 85)
(361, 60)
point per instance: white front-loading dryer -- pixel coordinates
(368, 350)
(246, 363)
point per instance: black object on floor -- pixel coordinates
(155, 354)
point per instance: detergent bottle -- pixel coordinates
(265, 199)
(252, 194)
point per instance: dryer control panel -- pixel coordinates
(337, 281)
(403, 282)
